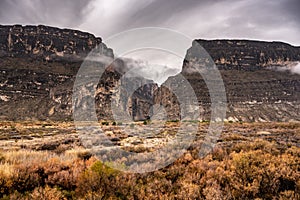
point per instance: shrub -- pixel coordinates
(6, 174)
(47, 193)
(245, 170)
(95, 182)
(105, 123)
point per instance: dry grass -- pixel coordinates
(6, 170)
(240, 167)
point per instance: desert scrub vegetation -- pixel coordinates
(251, 161)
(245, 170)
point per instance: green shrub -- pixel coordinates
(105, 123)
(96, 181)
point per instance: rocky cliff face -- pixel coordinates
(124, 98)
(249, 55)
(38, 69)
(254, 91)
(47, 43)
(39, 65)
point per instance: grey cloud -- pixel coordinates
(291, 8)
(266, 20)
(208, 19)
(66, 13)
(267, 14)
(160, 12)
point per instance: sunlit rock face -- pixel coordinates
(39, 66)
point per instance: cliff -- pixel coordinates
(39, 65)
(249, 55)
(257, 83)
(38, 69)
(48, 43)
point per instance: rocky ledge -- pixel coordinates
(47, 43)
(39, 65)
(249, 55)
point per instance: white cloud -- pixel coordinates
(296, 69)
(153, 65)
(293, 68)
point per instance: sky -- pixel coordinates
(270, 20)
(208, 19)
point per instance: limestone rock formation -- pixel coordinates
(39, 65)
(254, 90)
(47, 43)
(38, 69)
(249, 55)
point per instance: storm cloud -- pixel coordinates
(271, 20)
(63, 13)
(209, 19)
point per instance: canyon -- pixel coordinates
(39, 65)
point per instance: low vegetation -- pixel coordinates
(256, 169)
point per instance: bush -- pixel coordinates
(95, 182)
(105, 123)
(246, 170)
(46, 193)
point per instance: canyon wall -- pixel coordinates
(39, 66)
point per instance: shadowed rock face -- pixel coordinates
(249, 55)
(47, 43)
(254, 91)
(38, 69)
(124, 98)
(39, 65)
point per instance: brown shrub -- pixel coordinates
(95, 180)
(252, 170)
(46, 193)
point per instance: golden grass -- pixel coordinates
(6, 170)
(245, 167)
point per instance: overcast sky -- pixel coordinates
(209, 19)
(270, 20)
